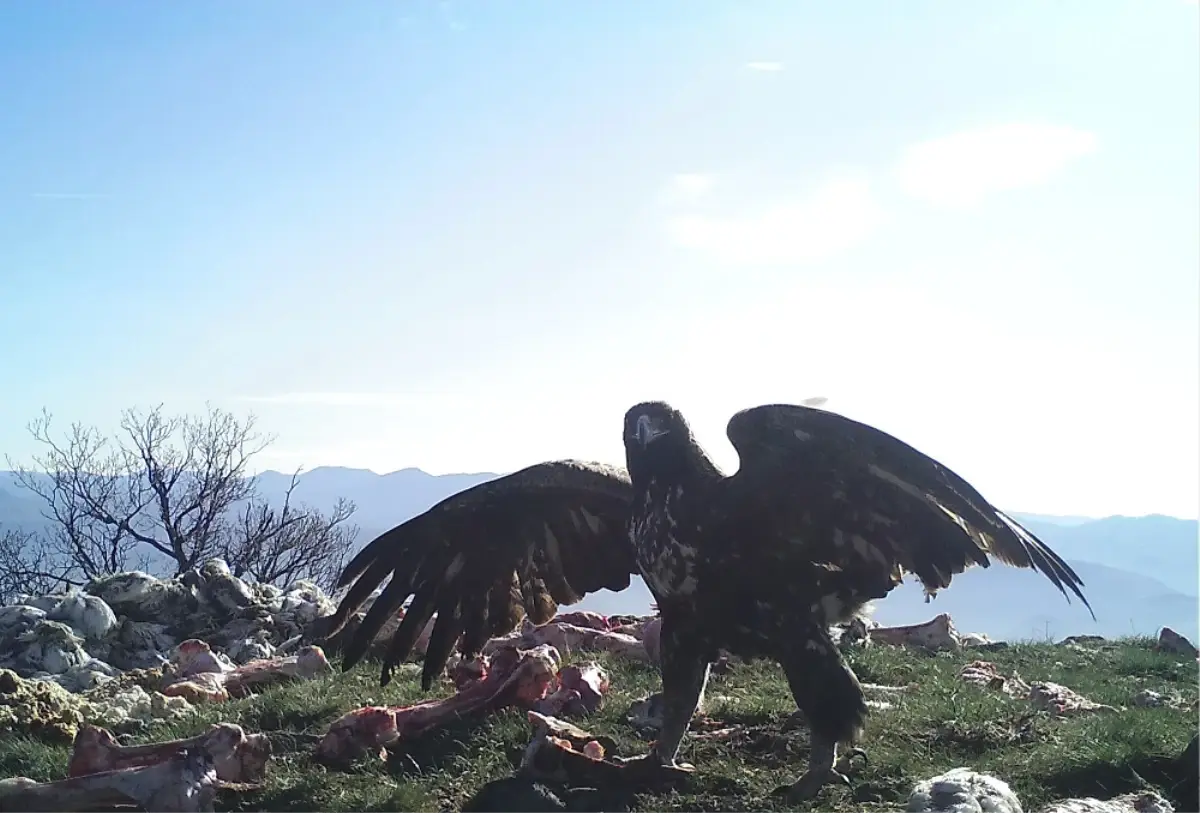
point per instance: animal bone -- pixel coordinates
(936, 633)
(568, 638)
(1060, 700)
(220, 685)
(237, 757)
(187, 782)
(564, 753)
(581, 690)
(987, 675)
(584, 618)
(513, 678)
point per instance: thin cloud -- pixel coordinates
(962, 169)
(342, 399)
(765, 67)
(838, 215)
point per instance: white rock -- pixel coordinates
(80, 639)
(88, 675)
(51, 647)
(19, 617)
(250, 649)
(43, 603)
(962, 790)
(86, 614)
(135, 703)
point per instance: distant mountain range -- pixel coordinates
(1140, 572)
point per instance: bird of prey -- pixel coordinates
(823, 515)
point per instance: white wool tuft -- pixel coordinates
(962, 790)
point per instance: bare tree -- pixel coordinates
(174, 489)
(26, 566)
(282, 545)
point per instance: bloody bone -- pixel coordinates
(237, 757)
(197, 677)
(581, 690)
(513, 678)
(585, 618)
(187, 782)
(564, 753)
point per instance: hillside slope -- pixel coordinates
(940, 724)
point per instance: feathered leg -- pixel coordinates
(832, 700)
(684, 663)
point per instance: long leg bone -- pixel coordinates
(237, 757)
(219, 683)
(187, 783)
(513, 678)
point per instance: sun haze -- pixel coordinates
(466, 236)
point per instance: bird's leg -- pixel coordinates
(832, 700)
(685, 669)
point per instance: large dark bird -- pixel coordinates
(823, 515)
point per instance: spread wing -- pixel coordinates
(883, 504)
(484, 558)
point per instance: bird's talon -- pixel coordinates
(846, 761)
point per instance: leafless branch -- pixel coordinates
(178, 488)
(28, 566)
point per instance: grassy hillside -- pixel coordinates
(941, 724)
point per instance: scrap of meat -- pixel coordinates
(584, 618)
(513, 678)
(581, 690)
(195, 657)
(1062, 701)
(237, 757)
(987, 675)
(1146, 801)
(1052, 697)
(568, 734)
(463, 672)
(185, 782)
(196, 676)
(564, 753)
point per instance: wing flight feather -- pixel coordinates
(486, 557)
(893, 505)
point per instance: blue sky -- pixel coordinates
(467, 236)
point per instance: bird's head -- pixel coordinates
(650, 422)
(654, 431)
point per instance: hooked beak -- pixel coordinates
(645, 431)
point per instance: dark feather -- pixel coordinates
(893, 506)
(518, 545)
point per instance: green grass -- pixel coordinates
(941, 724)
